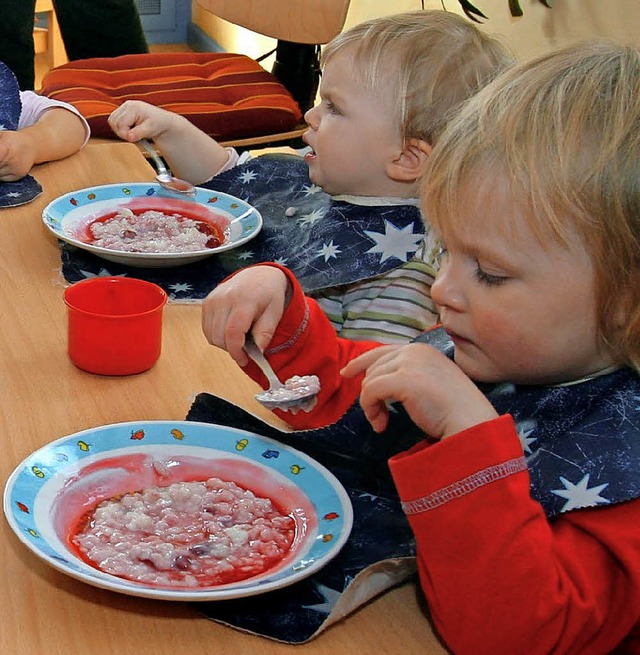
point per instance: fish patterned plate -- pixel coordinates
(50, 494)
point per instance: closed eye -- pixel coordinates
(332, 109)
(489, 278)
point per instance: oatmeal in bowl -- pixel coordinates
(178, 510)
(143, 225)
(187, 534)
(155, 231)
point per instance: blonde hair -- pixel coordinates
(440, 60)
(563, 130)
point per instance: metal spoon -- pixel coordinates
(164, 177)
(298, 392)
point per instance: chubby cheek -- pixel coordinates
(505, 348)
(332, 175)
(316, 174)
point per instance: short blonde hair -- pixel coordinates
(439, 59)
(564, 131)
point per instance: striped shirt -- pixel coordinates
(393, 308)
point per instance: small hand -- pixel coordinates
(437, 395)
(17, 155)
(253, 300)
(134, 120)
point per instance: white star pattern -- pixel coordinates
(180, 286)
(394, 242)
(246, 255)
(103, 272)
(524, 430)
(282, 261)
(310, 190)
(311, 218)
(579, 495)
(329, 250)
(504, 389)
(13, 194)
(330, 597)
(248, 176)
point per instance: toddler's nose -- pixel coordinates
(310, 117)
(445, 291)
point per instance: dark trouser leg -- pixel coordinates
(16, 39)
(100, 28)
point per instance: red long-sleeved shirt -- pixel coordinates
(499, 577)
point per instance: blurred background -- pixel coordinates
(183, 25)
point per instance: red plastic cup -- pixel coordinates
(115, 324)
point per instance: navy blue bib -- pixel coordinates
(325, 242)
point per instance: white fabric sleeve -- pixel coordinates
(234, 159)
(35, 105)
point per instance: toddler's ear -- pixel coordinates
(411, 162)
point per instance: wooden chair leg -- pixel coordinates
(55, 51)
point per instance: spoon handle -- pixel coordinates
(161, 168)
(256, 355)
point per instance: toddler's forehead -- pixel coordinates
(459, 203)
(485, 208)
(375, 70)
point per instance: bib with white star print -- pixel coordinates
(324, 241)
(581, 441)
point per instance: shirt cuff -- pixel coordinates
(430, 475)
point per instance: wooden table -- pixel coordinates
(45, 397)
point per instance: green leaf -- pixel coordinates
(471, 11)
(515, 8)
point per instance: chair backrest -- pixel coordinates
(298, 21)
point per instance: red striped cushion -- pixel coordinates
(226, 95)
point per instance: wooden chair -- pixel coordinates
(49, 40)
(230, 96)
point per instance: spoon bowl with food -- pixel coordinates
(164, 177)
(297, 393)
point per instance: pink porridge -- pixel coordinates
(294, 390)
(189, 534)
(153, 231)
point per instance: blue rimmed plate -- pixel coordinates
(69, 216)
(52, 488)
